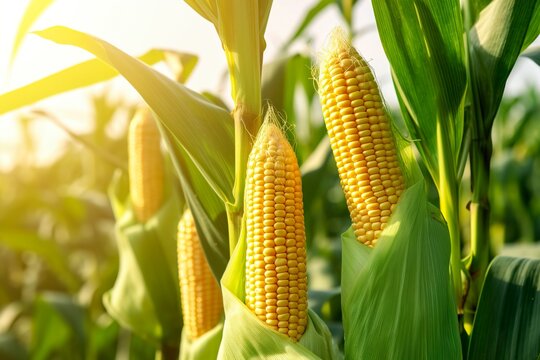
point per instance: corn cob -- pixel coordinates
(145, 165)
(361, 139)
(276, 281)
(202, 305)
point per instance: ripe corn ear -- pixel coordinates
(276, 281)
(146, 178)
(202, 304)
(361, 139)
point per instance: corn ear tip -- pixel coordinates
(274, 122)
(335, 42)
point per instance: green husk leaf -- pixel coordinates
(246, 337)
(507, 322)
(401, 287)
(146, 297)
(204, 347)
(186, 115)
(80, 75)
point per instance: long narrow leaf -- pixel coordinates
(507, 324)
(208, 210)
(59, 327)
(202, 129)
(84, 74)
(503, 30)
(33, 11)
(423, 40)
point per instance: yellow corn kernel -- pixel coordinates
(361, 139)
(202, 305)
(276, 281)
(146, 177)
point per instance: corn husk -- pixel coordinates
(145, 297)
(247, 337)
(204, 347)
(397, 298)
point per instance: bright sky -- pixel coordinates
(138, 25)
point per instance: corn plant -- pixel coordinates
(408, 289)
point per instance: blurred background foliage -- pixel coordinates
(57, 248)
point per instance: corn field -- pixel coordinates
(296, 215)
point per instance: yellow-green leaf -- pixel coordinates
(203, 130)
(33, 11)
(83, 74)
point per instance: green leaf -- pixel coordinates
(33, 11)
(399, 292)
(507, 323)
(207, 208)
(533, 53)
(502, 31)
(84, 74)
(145, 297)
(474, 9)
(103, 340)
(202, 129)
(59, 328)
(423, 41)
(11, 348)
